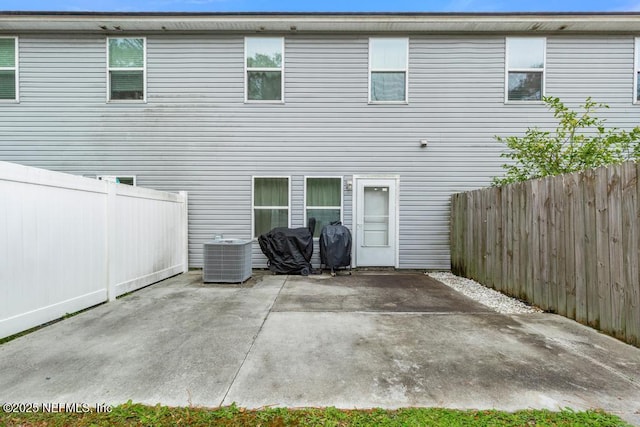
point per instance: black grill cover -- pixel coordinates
(289, 250)
(335, 246)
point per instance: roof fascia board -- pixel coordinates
(111, 23)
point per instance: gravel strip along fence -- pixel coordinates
(489, 297)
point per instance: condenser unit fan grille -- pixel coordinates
(227, 261)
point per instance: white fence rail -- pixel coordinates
(68, 243)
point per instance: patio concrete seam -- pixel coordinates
(390, 313)
(253, 342)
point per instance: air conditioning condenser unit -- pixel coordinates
(227, 261)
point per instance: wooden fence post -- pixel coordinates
(590, 248)
(541, 268)
(579, 284)
(616, 258)
(552, 248)
(630, 222)
(602, 249)
(633, 293)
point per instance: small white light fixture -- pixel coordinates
(423, 143)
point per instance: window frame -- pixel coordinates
(341, 207)
(525, 70)
(253, 201)
(143, 69)
(247, 69)
(405, 70)
(15, 69)
(636, 69)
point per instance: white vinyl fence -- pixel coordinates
(68, 243)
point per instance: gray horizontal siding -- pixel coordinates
(601, 68)
(195, 133)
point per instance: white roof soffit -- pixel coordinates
(110, 23)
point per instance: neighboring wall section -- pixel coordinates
(569, 244)
(195, 133)
(68, 243)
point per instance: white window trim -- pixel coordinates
(253, 206)
(341, 207)
(543, 70)
(382, 70)
(114, 178)
(636, 69)
(15, 68)
(143, 69)
(247, 69)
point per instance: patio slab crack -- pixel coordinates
(253, 342)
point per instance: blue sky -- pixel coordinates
(322, 6)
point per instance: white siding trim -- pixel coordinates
(144, 73)
(17, 67)
(506, 71)
(636, 69)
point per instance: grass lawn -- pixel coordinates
(131, 414)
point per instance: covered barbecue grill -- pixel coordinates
(289, 250)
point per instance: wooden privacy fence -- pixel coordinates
(68, 243)
(569, 244)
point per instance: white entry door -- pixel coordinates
(376, 222)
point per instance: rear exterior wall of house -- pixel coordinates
(195, 132)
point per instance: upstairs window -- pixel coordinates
(323, 201)
(270, 204)
(525, 68)
(264, 59)
(388, 58)
(127, 76)
(8, 68)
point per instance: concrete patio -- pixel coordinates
(373, 339)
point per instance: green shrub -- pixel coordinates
(579, 142)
